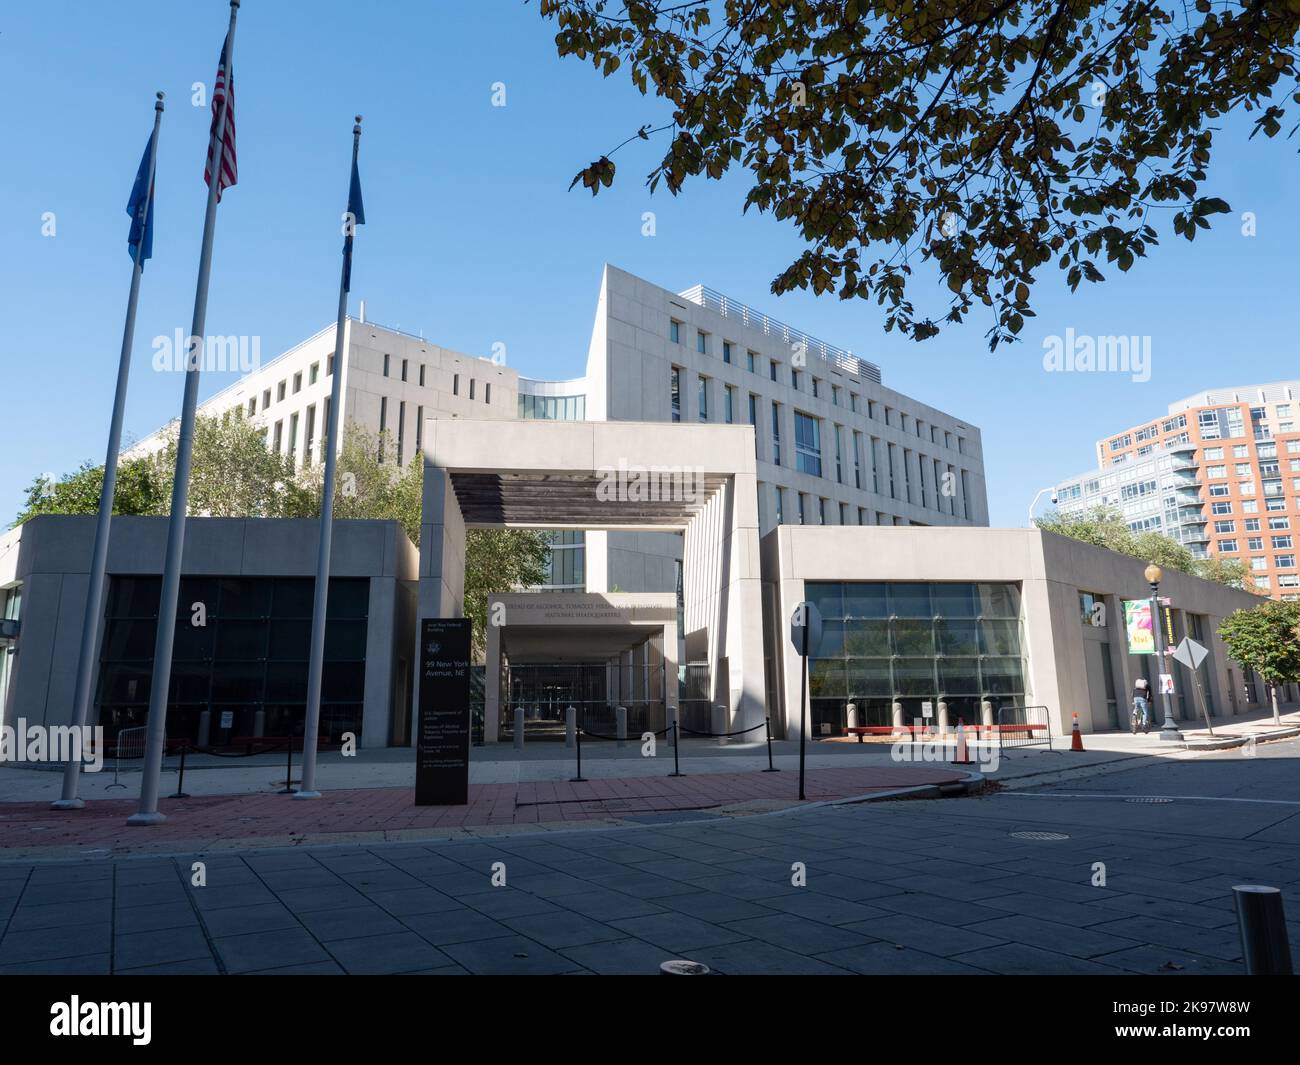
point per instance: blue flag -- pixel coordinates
(140, 208)
(358, 212)
(355, 207)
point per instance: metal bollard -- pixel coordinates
(767, 721)
(579, 778)
(620, 721)
(719, 723)
(570, 727)
(677, 768)
(673, 713)
(1262, 923)
(180, 779)
(519, 728)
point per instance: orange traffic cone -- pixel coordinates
(1076, 740)
(962, 755)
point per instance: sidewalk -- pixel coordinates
(377, 814)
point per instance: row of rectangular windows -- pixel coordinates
(774, 373)
(808, 451)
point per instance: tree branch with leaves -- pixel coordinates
(991, 139)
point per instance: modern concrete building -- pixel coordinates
(833, 445)
(1219, 472)
(392, 382)
(983, 624)
(980, 623)
(240, 661)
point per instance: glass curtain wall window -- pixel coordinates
(807, 444)
(251, 657)
(915, 642)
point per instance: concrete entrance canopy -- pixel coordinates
(698, 480)
(613, 628)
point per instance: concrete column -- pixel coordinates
(626, 673)
(900, 723)
(492, 684)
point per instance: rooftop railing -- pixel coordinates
(844, 360)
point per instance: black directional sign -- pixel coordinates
(442, 744)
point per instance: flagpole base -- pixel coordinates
(306, 794)
(68, 804)
(154, 818)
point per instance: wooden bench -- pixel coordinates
(911, 730)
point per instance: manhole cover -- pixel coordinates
(1039, 835)
(1149, 798)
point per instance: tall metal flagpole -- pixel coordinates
(99, 553)
(148, 813)
(311, 727)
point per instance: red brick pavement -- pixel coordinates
(209, 820)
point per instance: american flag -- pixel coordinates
(225, 83)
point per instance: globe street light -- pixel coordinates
(1168, 730)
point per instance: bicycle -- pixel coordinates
(1141, 715)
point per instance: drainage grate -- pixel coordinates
(1039, 835)
(1149, 799)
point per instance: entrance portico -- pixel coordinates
(594, 652)
(698, 480)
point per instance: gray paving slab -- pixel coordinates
(349, 922)
(132, 950)
(462, 925)
(798, 934)
(510, 955)
(618, 957)
(563, 929)
(393, 952)
(677, 932)
(266, 950)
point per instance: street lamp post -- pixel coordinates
(1168, 730)
(1041, 492)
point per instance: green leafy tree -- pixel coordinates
(988, 139)
(1104, 526)
(1266, 639)
(1101, 526)
(233, 474)
(1229, 571)
(365, 486)
(496, 560)
(499, 560)
(137, 491)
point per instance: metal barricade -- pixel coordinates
(1024, 726)
(128, 746)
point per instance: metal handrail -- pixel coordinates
(713, 300)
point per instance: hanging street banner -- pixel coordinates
(1137, 623)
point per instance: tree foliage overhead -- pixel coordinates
(993, 139)
(1105, 526)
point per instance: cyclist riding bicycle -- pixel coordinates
(1141, 705)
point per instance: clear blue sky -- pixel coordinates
(473, 238)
